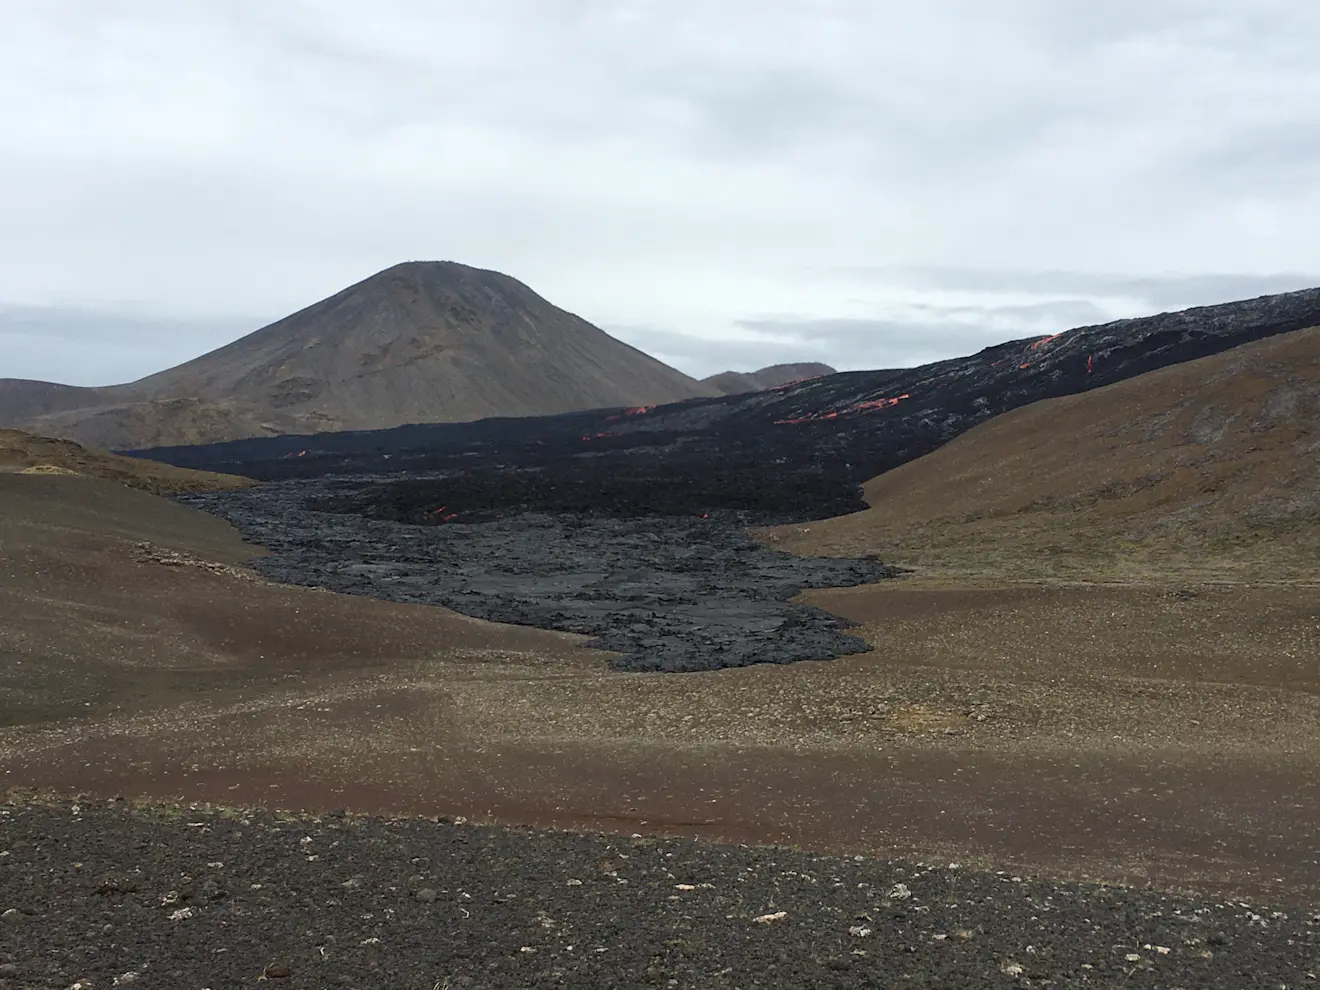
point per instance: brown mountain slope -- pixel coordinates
(156, 422)
(737, 382)
(22, 398)
(1205, 470)
(419, 342)
(23, 453)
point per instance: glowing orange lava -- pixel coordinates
(856, 407)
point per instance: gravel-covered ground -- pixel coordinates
(99, 896)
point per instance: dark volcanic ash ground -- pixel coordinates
(101, 896)
(668, 592)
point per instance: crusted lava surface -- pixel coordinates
(618, 558)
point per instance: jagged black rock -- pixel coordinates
(666, 592)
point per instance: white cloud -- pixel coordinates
(695, 168)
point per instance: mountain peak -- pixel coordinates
(420, 341)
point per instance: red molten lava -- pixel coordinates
(877, 404)
(856, 407)
(1090, 363)
(634, 411)
(1045, 340)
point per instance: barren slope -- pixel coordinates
(737, 382)
(23, 453)
(129, 602)
(25, 399)
(1121, 733)
(419, 342)
(1208, 469)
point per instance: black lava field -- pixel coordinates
(630, 524)
(667, 592)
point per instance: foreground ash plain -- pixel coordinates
(1153, 735)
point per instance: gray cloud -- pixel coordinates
(937, 174)
(102, 347)
(1159, 291)
(917, 332)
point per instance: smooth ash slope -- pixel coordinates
(1204, 470)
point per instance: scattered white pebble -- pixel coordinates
(370, 941)
(857, 931)
(900, 892)
(183, 914)
(765, 919)
(685, 886)
(1011, 968)
(575, 883)
(1132, 957)
(526, 948)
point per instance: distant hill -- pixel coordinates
(23, 453)
(417, 343)
(1209, 469)
(738, 382)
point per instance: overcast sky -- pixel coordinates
(723, 183)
